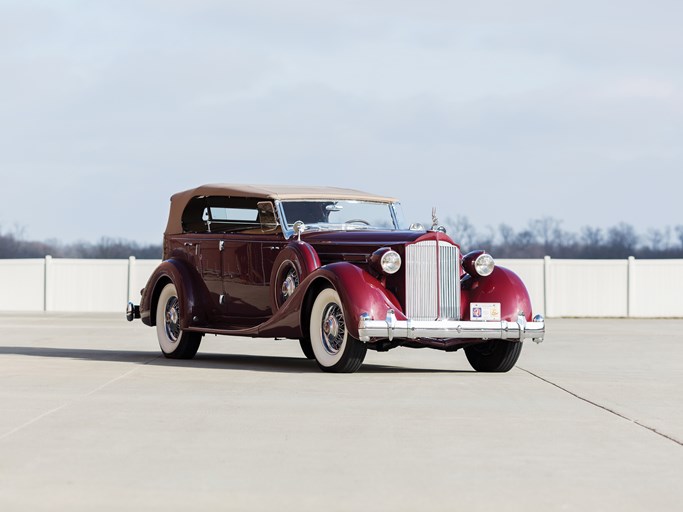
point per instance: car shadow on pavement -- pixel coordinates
(244, 362)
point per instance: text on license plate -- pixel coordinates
(485, 311)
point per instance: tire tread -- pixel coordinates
(502, 357)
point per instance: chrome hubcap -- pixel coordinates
(288, 287)
(172, 319)
(289, 284)
(333, 329)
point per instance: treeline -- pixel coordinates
(12, 245)
(541, 237)
(546, 237)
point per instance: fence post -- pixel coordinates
(546, 278)
(47, 285)
(131, 276)
(630, 285)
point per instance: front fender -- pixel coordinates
(359, 291)
(502, 286)
(192, 293)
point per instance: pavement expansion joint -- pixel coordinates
(70, 402)
(604, 408)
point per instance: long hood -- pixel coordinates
(357, 245)
(362, 236)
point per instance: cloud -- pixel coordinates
(501, 112)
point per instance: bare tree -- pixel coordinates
(679, 234)
(547, 231)
(622, 240)
(659, 239)
(463, 231)
(592, 237)
(507, 234)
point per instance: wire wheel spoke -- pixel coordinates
(333, 328)
(172, 319)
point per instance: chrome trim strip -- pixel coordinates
(289, 233)
(451, 329)
(394, 214)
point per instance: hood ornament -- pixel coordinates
(435, 222)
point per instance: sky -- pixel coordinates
(499, 111)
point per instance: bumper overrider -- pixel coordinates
(132, 312)
(392, 328)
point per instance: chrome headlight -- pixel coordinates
(478, 263)
(390, 262)
(484, 265)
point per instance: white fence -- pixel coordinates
(52, 284)
(603, 288)
(558, 288)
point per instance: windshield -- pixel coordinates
(343, 214)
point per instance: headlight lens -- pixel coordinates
(484, 265)
(390, 262)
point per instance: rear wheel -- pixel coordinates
(334, 349)
(494, 355)
(173, 341)
(306, 348)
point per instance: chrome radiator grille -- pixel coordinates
(432, 281)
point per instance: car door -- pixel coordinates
(210, 266)
(242, 281)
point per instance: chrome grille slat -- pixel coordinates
(449, 281)
(432, 295)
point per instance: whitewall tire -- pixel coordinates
(334, 349)
(173, 341)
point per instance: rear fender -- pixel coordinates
(502, 286)
(192, 293)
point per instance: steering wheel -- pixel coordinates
(359, 221)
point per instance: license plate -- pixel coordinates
(485, 311)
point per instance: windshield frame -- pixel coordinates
(288, 231)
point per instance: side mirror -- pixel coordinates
(299, 227)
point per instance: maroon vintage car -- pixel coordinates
(337, 269)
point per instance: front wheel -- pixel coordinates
(173, 341)
(334, 348)
(494, 355)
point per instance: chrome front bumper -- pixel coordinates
(450, 329)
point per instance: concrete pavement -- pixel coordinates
(93, 418)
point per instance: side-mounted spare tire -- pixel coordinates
(294, 263)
